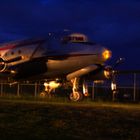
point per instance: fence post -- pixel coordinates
(18, 89)
(93, 91)
(35, 94)
(134, 94)
(1, 89)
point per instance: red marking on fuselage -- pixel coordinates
(7, 47)
(20, 44)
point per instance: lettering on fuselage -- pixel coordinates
(75, 37)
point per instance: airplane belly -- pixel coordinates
(63, 67)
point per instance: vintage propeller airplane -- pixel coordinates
(71, 57)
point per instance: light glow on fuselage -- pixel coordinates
(106, 54)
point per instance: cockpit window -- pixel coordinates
(76, 38)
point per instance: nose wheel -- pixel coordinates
(76, 95)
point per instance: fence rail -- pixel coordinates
(97, 92)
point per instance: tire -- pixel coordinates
(78, 96)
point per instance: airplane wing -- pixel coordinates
(126, 71)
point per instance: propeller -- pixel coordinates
(2, 65)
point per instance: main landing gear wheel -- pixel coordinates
(44, 94)
(76, 96)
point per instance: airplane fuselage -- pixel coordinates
(49, 58)
(76, 57)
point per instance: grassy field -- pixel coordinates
(26, 120)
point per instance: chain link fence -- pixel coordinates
(128, 86)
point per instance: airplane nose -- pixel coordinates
(106, 54)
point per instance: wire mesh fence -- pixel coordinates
(128, 89)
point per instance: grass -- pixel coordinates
(61, 119)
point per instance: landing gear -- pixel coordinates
(85, 88)
(76, 95)
(49, 88)
(43, 94)
(114, 87)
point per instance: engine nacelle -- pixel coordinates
(101, 74)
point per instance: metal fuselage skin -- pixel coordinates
(48, 58)
(74, 56)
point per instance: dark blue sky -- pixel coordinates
(113, 23)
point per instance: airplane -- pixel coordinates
(56, 59)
